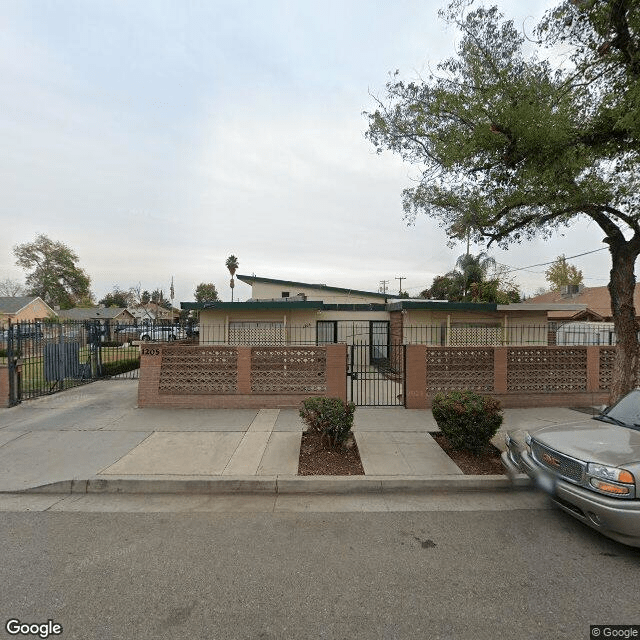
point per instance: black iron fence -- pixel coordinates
(45, 357)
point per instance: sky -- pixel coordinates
(157, 138)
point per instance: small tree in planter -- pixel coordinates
(332, 418)
(467, 419)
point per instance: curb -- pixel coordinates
(279, 485)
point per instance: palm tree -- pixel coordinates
(232, 264)
(474, 268)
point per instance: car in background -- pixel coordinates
(590, 468)
(24, 331)
(161, 333)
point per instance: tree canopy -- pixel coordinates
(53, 272)
(118, 298)
(10, 288)
(232, 264)
(476, 279)
(561, 273)
(509, 148)
(206, 292)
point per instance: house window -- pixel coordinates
(256, 333)
(285, 294)
(379, 339)
(327, 332)
(478, 334)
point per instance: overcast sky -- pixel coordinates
(157, 138)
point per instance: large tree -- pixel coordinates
(561, 273)
(53, 272)
(206, 292)
(511, 149)
(118, 298)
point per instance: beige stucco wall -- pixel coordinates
(299, 324)
(263, 290)
(502, 327)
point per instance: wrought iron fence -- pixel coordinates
(45, 357)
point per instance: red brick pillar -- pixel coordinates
(593, 369)
(149, 383)
(416, 377)
(4, 386)
(337, 371)
(244, 370)
(500, 370)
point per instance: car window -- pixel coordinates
(627, 409)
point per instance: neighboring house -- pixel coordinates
(113, 314)
(110, 318)
(152, 312)
(284, 311)
(595, 300)
(24, 309)
(593, 325)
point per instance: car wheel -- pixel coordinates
(145, 338)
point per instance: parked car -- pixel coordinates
(161, 334)
(589, 468)
(28, 331)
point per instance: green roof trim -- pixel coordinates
(441, 306)
(261, 304)
(323, 287)
(372, 306)
(319, 305)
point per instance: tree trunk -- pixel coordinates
(622, 285)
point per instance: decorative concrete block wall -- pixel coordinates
(240, 377)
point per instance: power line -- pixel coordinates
(543, 264)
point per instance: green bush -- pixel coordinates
(3, 353)
(330, 417)
(120, 366)
(467, 419)
(111, 343)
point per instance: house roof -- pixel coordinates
(254, 304)
(91, 313)
(596, 299)
(321, 287)
(14, 304)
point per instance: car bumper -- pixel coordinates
(613, 517)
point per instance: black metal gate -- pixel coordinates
(45, 357)
(376, 374)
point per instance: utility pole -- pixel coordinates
(401, 279)
(383, 286)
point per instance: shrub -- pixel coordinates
(467, 419)
(330, 417)
(120, 366)
(3, 353)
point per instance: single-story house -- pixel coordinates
(152, 313)
(596, 303)
(110, 318)
(113, 314)
(290, 312)
(24, 309)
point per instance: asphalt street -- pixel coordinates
(106, 573)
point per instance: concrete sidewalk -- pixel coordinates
(94, 439)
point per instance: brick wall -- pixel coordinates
(232, 375)
(4, 386)
(517, 376)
